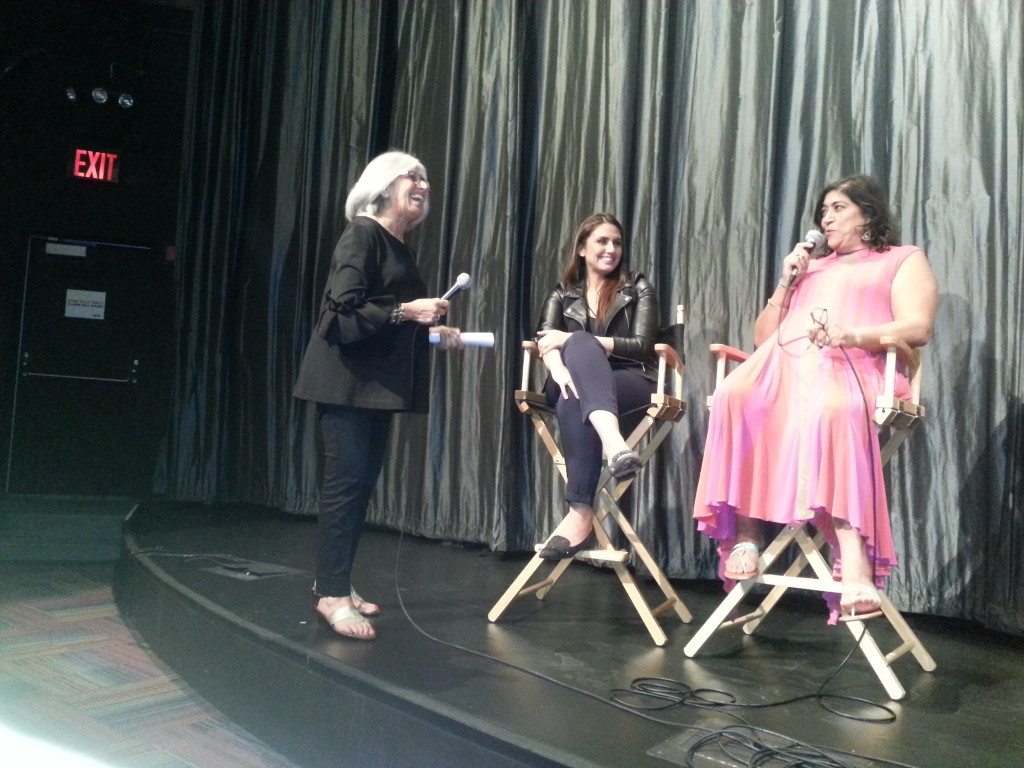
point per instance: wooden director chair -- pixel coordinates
(895, 419)
(664, 411)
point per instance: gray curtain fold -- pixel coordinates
(708, 128)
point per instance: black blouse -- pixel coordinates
(356, 355)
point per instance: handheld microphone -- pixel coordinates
(462, 283)
(816, 239)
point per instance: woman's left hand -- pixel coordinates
(550, 340)
(831, 335)
(450, 338)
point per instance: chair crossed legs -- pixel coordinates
(664, 411)
(895, 419)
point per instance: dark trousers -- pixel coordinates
(625, 392)
(355, 441)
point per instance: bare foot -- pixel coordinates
(365, 607)
(743, 561)
(341, 615)
(859, 599)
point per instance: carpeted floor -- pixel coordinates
(73, 677)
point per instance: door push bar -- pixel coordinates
(131, 378)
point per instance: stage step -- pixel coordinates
(62, 528)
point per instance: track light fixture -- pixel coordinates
(101, 95)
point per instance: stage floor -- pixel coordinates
(222, 594)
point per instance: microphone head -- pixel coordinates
(816, 237)
(462, 282)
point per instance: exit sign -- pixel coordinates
(95, 165)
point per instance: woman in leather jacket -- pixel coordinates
(596, 336)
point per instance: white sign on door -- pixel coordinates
(90, 305)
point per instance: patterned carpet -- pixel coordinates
(76, 687)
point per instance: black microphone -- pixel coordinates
(462, 283)
(816, 239)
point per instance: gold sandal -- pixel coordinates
(742, 548)
(344, 620)
(859, 593)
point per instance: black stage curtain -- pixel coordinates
(708, 127)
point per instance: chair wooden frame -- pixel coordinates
(665, 410)
(895, 419)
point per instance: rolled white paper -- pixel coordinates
(469, 338)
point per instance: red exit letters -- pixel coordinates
(94, 164)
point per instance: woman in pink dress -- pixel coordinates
(790, 436)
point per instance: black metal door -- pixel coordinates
(89, 401)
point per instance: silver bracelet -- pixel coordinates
(398, 314)
(773, 304)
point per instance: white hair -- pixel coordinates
(369, 195)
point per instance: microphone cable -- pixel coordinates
(820, 696)
(744, 743)
(657, 693)
(667, 693)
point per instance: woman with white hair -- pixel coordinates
(367, 359)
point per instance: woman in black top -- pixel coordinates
(596, 336)
(367, 359)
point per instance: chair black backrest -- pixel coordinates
(673, 336)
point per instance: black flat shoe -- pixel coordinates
(558, 547)
(624, 465)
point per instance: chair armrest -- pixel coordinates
(531, 351)
(670, 355)
(905, 354)
(898, 351)
(901, 416)
(669, 358)
(724, 351)
(724, 354)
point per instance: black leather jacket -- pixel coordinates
(633, 320)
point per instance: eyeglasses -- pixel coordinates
(416, 178)
(819, 316)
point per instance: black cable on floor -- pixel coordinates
(732, 740)
(666, 693)
(798, 754)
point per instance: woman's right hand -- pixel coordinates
(425, 311)
(795, 263)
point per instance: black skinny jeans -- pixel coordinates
(355, 441)
(626, 392)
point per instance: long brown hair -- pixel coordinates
(575, 271)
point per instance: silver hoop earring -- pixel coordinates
(866, 236)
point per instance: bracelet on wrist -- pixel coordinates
(398, 314)
(773, 304)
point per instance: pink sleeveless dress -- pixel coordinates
(790, 436)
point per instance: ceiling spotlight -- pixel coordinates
(126, 101)
(99, 95)
(71, 93)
